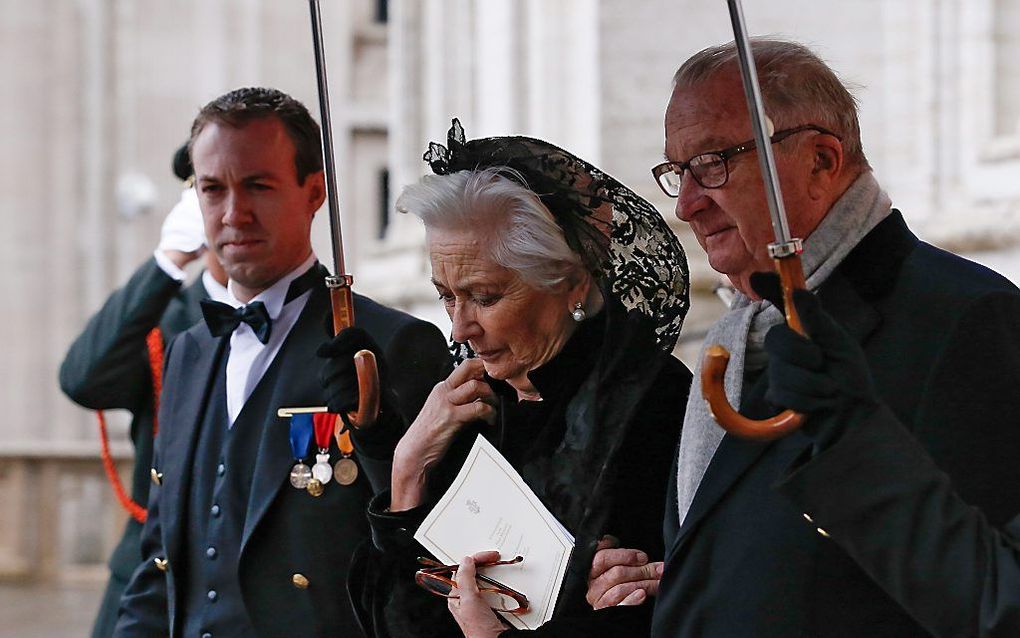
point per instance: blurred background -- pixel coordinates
(97, 94)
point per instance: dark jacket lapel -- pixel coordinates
(190, 384)
(296, 384)
(732, 458)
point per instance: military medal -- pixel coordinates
(322, 473)
(315, 487)
(300, 475)
(346, 470)
(322, 424)
(300, 437)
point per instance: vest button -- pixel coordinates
(207, 635)
(161, 564)
(157, 477)
(211, 552)
(212, 595)
(215, 510)
(300, 581)
(221, 469)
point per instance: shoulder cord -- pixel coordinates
(154, 343)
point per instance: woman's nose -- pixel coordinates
(465, 324)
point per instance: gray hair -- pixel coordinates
(520, 232)
(797, 86)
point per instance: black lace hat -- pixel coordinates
(621, 238)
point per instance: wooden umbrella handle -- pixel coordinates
(713, 371)
(365, 365)
(368, 390)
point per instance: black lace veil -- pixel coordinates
(621, 238)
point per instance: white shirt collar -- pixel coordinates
(213, 288)
(273, 296)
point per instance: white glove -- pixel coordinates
(183, 229)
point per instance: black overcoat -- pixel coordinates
(940, 334)
(882, 499)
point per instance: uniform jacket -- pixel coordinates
(107, 368)
(940, 335)
(287, 532)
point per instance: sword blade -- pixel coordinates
(332, 197)
(756, 108)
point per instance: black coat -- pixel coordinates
(107, 368)
(596, 451)
(882, 499)
(286, 531)
(940, 335)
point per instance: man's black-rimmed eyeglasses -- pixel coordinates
(711, 170)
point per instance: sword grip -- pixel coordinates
(791, 276)
(342, 301)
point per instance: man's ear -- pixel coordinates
(316, 183)
(827, 165)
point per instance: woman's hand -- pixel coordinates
(621, 577)
(462, 398)
(470, 610)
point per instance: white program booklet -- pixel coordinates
(489, 506)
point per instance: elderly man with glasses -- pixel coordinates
(767, 539)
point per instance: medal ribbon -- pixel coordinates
(300, 435)
(326, 424)
(323, 429)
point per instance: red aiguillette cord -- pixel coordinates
(154, 342)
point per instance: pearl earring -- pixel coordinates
(578, 314)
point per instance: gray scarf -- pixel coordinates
(742, 329)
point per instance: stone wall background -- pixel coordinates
(98, 93)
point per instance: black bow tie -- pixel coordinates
(223, 319)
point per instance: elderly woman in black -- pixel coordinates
(568, 292)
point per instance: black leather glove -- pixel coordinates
(826, 376)
(338, 376)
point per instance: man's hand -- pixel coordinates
(181, 258)
(469, 609)
(825, 374)
(621, 576)
(338, 376)
(182, 236)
